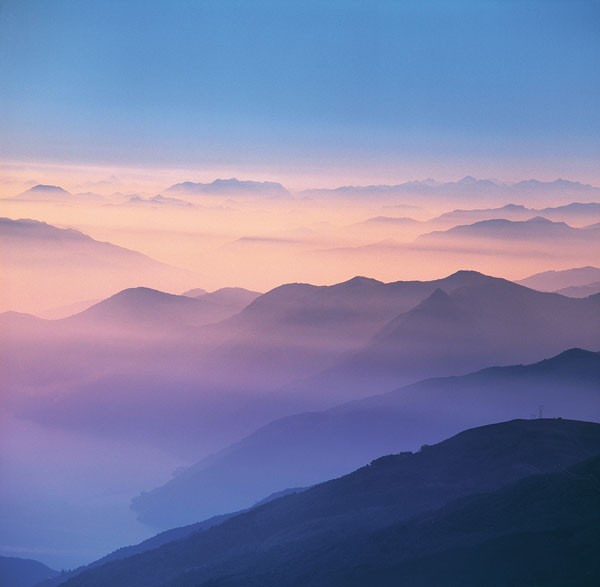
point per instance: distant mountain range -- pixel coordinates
(52, 193)
(581, 213)
(296, 348)
(490, 321)
(560, 280)
(232, 187)
(143, 308)
(581, 291)
(311, 447)
(505, 497)
(50, 266)
(160, 201)
(469, 188)
(464, 190)
(536, 230)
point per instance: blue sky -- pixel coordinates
(511, 85)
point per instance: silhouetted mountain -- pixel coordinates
(162, 538)
(576, 212)
(390, 221)
(536, 229)
(294, 349)
(54, 266)
(21, 572)
(579, 213)
(508, 212)
(467, 189)
(542, 530)
(497, 322)
(142, 308)
(556, 280)
(300, 329)
(328, 530)
(159, 201)
(235, 299)
(33, 229)
(197, 292)
(232, 187)
(581, 291)
(43, 192)
(308, 448)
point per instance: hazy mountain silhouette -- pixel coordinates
(232, 187)
(310, 447)
(310, 537)
(390, 221)
(159, 201)
(535, 229)
(581, 291)
(51, 193)
(297, 330)
(574, 212)
(165, 537)
(52, 266)
(468, 188)
(195, 292)
(296, 348)
(233, 297)
(495, 322)
(20, 572)
(142, 307)
(556, 280)
(43, 192)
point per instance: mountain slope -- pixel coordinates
(20, 572)
(48, 266)
(556, 280)
(142, 307)
(497, 322)
(301, 329)
(232, 187)
(534, 229)
(542, 530)
(317, 524)
(574, 213)
(308, 448)
(581, 291)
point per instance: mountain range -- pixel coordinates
(535, 230)
(489, 496)
(560, 280)
(575, 212)
(307, 448)
(296, 348)
(468, 189)
(50, 266)
(52, 193)
(232, 187)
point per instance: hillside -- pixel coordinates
(298, 539)
(308, 448)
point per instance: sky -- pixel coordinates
(337, 91)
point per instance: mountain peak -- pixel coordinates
(232, 186)
(467, 180)
(541, 220)
(358, 281)
(47, 188)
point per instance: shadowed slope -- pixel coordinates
(308, 448)
(316, 525)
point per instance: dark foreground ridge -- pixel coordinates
(450, 514)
